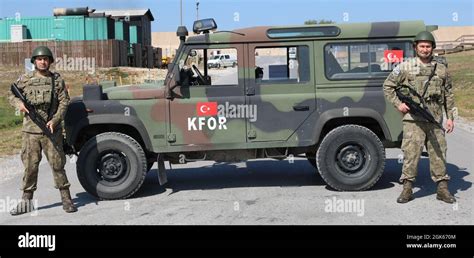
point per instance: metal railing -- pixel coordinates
(460, 41)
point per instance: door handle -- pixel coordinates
(301, 108)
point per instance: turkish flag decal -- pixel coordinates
(206, 108)
(393, 56)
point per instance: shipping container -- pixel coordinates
(37, 28)
(68, 28)
(99, 28)
(61, 28)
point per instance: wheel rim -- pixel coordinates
(351, 158)
(112, 166)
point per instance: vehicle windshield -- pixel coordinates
(215, 57)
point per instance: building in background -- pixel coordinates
(112, 37)
(452, 37)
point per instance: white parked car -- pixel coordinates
(221, 60)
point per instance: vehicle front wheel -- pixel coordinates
(111, 166)
(351, 158)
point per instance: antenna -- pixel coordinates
(181, 11)
(197, 10)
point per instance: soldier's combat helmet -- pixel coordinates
(41, 51)
(425, 36)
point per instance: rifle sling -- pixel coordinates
(51, 104)
(425, 89)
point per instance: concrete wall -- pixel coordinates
(445, 36)
(167, 41)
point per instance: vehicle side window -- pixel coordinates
(220, 70)
(282, 64)
(364, 60)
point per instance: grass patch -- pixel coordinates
(461, 67)
(11, 144)
(8, 116)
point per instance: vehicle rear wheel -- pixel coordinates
(111, 166)
(351, 158)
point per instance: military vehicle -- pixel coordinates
(324, 102)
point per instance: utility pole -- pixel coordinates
(197, 10)
(181, 11)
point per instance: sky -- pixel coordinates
(233, 14)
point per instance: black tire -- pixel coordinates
(351, 158)
(111, 166)
(234, 64)
(312, 159)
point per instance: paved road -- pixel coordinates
(256, 192)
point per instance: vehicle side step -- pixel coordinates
(277, 156)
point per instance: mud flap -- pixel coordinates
(162, 178)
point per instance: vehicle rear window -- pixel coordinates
(364, 60)
(282, 64)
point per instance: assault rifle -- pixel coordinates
(415, 108)
(38, 120)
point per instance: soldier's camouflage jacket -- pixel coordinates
(413, 73)
(37, 90)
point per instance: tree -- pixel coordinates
(323, 21)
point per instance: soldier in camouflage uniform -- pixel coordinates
(51, 104)
(418, 133)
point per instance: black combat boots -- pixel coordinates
(25, 205)
(443, 194)
(407, 193)
(68, 206)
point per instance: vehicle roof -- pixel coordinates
(347, 31)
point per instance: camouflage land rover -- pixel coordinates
(313, 91)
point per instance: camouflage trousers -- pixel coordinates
(32, 145)
(417, 135)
